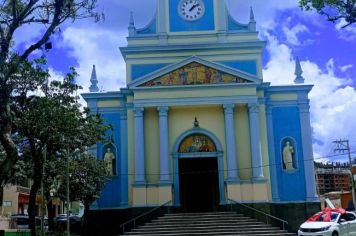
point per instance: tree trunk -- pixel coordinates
(37, 179)
(11, 153)
(1, 198)
(51, 212)
(85, 230)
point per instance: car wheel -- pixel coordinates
(335, 234)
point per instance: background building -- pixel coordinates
(333, 177)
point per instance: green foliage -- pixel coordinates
(334, 10)
(19, 76)
(87, 177)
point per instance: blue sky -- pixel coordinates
(326, 51)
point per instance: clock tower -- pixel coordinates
(185, 28)
(195, 102)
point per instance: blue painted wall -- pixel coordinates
(110, 196)
(291, 184)
(140, 70)
(246, 66)
(177, 24)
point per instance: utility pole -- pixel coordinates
(68, 218)
(42, 190)
(342, 146)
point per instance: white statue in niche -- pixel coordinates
(288, 151)
(109, 158)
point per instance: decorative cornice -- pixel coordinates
(195, 101)
(225, 46)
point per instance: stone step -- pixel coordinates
(202, 217)
(205, 230)
(203, 214)
(207, 221)
(210, 223)
(194, 225)
(265, 233)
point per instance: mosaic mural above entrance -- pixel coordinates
(197, 143)
(193, 74)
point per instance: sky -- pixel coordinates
(327, 53)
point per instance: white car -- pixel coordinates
(332, 223)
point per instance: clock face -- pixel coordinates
(191, 10)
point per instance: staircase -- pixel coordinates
(216, 223)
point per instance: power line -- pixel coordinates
(236, 169)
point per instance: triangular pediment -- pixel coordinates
(194, 71)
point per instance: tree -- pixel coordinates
(14, 15)
(334, 10)
(51, 123)
(87, 178)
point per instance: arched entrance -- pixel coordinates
(198, 178)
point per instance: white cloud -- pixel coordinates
(240, 10)
(91, 46)
(333, 101)
(292, 33)
(346, 67)
(348, 33)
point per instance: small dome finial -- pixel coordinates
(252, 23)
(298, 72)
(252, 15)
(132, 22)
(132, 28)
(94, 81)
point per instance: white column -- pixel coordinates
(307, 151)
(255, 143)
(230, 142)
(164, 144)
(140, 175)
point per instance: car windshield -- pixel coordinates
(333, 217)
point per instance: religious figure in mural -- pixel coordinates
(218, 77)
(183, 76)
(204, 147)
(208, 74)
(109, 158)
(288, 151)
(195, 145)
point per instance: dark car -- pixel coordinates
(20, 221)
(60, 222)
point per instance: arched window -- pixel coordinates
(197, 143)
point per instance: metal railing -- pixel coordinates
(134, 220)
(268, 216)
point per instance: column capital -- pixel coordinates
(138, 111)
(229, 108)
(163, 110)
(269, 108)
(304, 107)
(253, 108)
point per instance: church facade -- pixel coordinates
(196, 125)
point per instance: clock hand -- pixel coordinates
(194, 6)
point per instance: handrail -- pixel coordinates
(261, 212)
(142, 215)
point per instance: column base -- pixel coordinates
(151, 194)
(247, 191)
